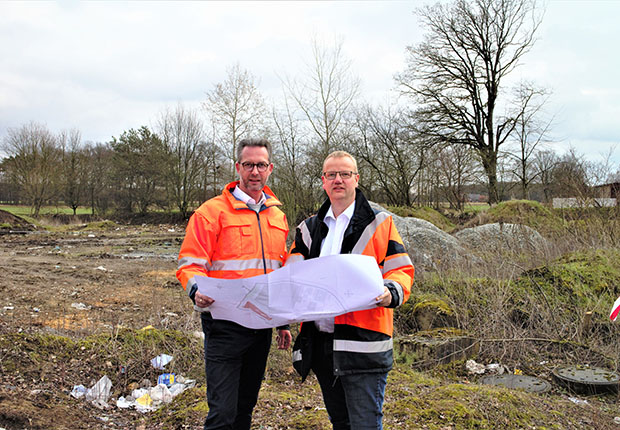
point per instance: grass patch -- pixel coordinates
(426, 213)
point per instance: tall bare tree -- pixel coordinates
(294, 180)
(237, 108)
(183, 136)
(33, 162)
(456, 73)
(325, 93)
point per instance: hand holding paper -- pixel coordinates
(303, 291)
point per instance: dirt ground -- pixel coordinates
(77, 283)
(89, 279)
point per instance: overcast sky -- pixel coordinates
(104, 67)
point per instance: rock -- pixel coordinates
(498, 237)
(428, 246)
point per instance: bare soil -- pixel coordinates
(99, 279)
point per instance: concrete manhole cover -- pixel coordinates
(584, 379)
(523, 382)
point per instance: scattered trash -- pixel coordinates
(617, 420)
(476, 368)
(473, 367)
(99, 393)
(166, 379)
(161, 360)
(78, 391)
(103, 269)
(171, 230)
(578, 401)
(8, 308)
(496, 368)
(91, 235)
(148, 327)
(36, 309)
(80, 306)
(518, 371)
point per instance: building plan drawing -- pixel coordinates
(303, 291)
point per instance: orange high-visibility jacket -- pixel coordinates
(362, 339)
(226, 239)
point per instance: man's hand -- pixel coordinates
(203, 301)
(284, 339)
(384, 299)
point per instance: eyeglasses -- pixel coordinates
(248, 167)
(347, 174)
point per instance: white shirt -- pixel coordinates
(331, 245)
(245, 198)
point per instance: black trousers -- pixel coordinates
(235, 361)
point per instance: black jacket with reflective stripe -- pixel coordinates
(356, 349)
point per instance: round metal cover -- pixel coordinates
(586, 379)
(523, 382)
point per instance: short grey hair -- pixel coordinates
(264, 143)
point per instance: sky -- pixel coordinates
(103, 67)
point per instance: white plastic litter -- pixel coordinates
(80, 306)
(578, 401)
(78, 391)
(99, 393)
(473, 367)
(161, 393)
(161, 360)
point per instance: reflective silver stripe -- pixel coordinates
(363, 347)
(395, 263)
(190, 283)
(254, 263)
(305, 234)
(369, 231)
(188, 261)
(297, 355)
(294, 259)
(399, 290)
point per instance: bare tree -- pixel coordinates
(544, 163)
(392, 153)
(237, 108)
(73, 185)
(456, 73)
(183, 136)
(324, 95)
(456, 166)
(33, 162)
(294, 180)
(100, 172)
(530, 133)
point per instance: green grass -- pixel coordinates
(26, 211)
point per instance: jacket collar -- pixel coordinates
(362, 212)
(271, 200)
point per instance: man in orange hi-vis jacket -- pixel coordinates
(351, 354)
(238, 234)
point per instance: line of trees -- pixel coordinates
(424, 148)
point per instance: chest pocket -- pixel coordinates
(278, 230)
(237, 240)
